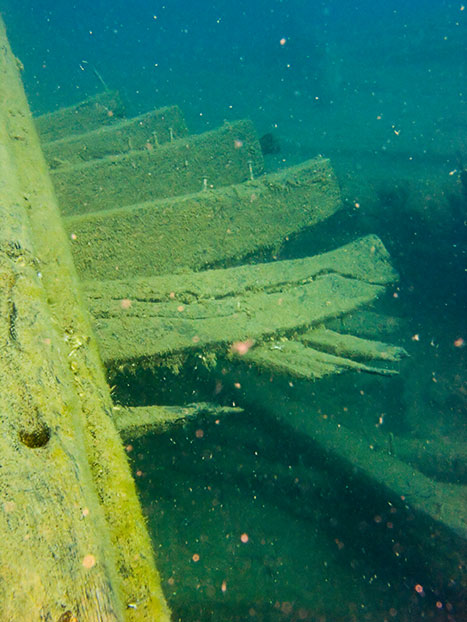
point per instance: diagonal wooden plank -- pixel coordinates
(294, 359)
(350, 346)
(228, 155)
(74, 543)
(102, 109)
(365, 259)
(145, 330)
(147, 131)
(204, 229)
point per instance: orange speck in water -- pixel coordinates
(195, 557)
(241, 347)
(419, 588)
(224, 586)
(244, 538)
(283, 41)
(459, 343)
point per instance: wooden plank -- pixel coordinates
(101, 109)
(74, 543)
(228, 155)
(210, 228)
(292, 358)
(368, 323)
(142, 326)
(352, 347)
(146, 131)
(135, 422)
(365, 259)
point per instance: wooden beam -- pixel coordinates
(146, 131)
(224, 156)
(216, 227)
(135, 422)
(74, 542)
(154, 318)
(102, 109)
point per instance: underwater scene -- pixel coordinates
(261, 223)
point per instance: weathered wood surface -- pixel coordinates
(134, 422)
(292, 358)
(101, 109)
(155, 317)
(351, 346)
(228, 155)
(146, 131)
(74, 543)
(369, 324)
(204, 229)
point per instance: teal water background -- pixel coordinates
(381, 90)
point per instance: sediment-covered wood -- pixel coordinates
(102, 109)
(350, 346)
(135, 422)
(74, 543)
(147, 318)
(294, 359)
(146, 131)
(228, 155)
(204, 229)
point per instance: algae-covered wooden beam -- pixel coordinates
(229, 155)
(74, 543)
(146, 131)
(154, 318)
(351, 346)
(204, 229)
(134, 422)
(102, 109)
(292, 358)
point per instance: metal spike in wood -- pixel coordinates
(74, 542)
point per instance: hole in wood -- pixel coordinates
(37, 437)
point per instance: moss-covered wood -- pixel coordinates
(74, 542)
(104, 108)
(204, 229)
(228, 155)
(350, 346)
(146, 131)
(161, 316)
(134, 422)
